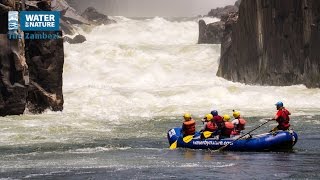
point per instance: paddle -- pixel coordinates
(223, 147)
(174, 145)
(187, 139)
(207, 134)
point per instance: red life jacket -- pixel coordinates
(283, 119)
(240, 126)
(234, 132)
(189, 127)
(211, 126)
(227, 130)
(219, 121)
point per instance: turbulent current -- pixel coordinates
(131, 82)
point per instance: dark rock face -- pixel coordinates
(45, 59)
(273, 43)
(30, 71)
(13, 68)
(14, 77)
(4, 18)
(76, 40)
(97, 18)
(211, 33)
(219, 12)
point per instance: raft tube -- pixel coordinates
(278, 141)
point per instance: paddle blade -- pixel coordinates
(187, 139)
(174, 145)
(207, 134)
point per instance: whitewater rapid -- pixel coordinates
(125, 87)
(135, 75)
(155, 67)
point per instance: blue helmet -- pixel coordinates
(214, 113)
(279, 104)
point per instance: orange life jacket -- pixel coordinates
(189, 127)
(228, 128)
(211, 126)
(240, 126)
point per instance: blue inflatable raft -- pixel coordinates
(279, 141)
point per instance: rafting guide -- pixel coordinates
(32, 22)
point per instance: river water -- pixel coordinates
(129, 84)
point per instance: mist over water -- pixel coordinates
(125, 87)
(152, 8)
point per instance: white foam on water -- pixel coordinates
(154, 67)
(209, 20)
(139, 69)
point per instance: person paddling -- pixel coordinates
(209, 128)
(282, 117)
(228, 127)
(218, 120)
(189, 125)
(239, 123)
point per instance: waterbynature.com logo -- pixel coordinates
(31, 22)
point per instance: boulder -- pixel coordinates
(76, 40)
(211, 33)
(95, 17)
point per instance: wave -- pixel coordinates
(154, 67)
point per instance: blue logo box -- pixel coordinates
(40, 20)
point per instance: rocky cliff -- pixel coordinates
(223, 11)
(212, 33)
(30, 71)
(70, 18)
(272, 42)
(45, 59)
(14, 76)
